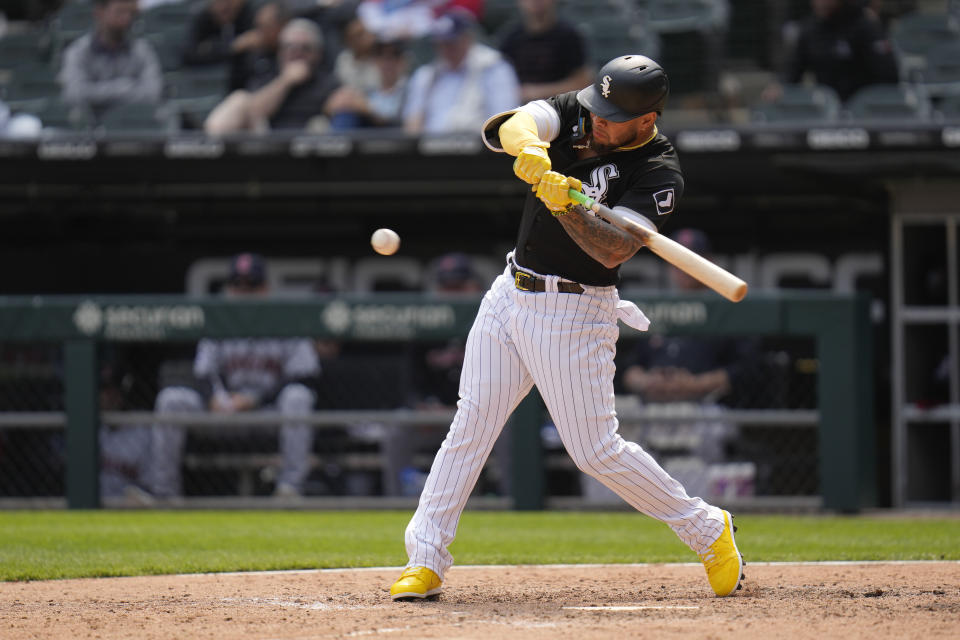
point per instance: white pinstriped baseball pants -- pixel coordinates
(565, 344)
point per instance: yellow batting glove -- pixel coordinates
(553, 191)
(531, 163)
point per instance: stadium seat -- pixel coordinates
(167, 17)
(949, 109)
(691, 36)
(609, 36)
(192, 112)
(71, 22)
(679, 16)
(914, 35)
(168, 48)
(749, 33)
(20, 48)
(497, 14)
(799, 103)
(888, 102)
(575, 10)
(56, 115)
(196, 82)
(192, 93)
(166, 27)
(135, 117)
(941, 72)
(32, 80)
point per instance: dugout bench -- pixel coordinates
(839, 324)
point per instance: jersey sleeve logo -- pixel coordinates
(664, 201)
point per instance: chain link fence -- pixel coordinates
(31, 439)
(377, 413)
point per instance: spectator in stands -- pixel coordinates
(843, 46)
(548, 54)
(108, 66)
(434, 381)
(410, 19)
(466, 82)
(691, 370)
(243, 374)
(355, 66)
(220, 30)
(381, 106)
(299, 92)
(684, 368)
(254, 61)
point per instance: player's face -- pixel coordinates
(609, 135)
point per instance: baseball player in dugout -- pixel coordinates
(243, 374)
(550, 319)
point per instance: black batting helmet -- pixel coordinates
(625, 88)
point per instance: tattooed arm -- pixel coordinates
(605, 243)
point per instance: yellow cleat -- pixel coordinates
(723, 561)
(416, 582)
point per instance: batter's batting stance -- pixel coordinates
(551, 318)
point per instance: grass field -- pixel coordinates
(37, 545)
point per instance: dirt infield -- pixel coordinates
(912, 600)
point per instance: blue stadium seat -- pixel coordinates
(888, 102)
(799, 103)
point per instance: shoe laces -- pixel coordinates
(708, 557)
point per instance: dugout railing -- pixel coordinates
(838, 325)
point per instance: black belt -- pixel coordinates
(529, 282)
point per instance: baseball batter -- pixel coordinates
(551, 318)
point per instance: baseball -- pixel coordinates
(385, 241)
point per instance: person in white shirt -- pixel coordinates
(465, 84)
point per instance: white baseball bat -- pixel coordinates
(723, 282)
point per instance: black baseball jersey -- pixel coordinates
(646, 179)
